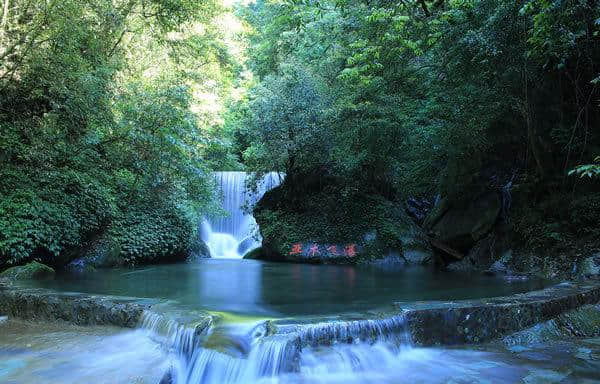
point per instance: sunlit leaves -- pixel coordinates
(98, 123)
(589, 170)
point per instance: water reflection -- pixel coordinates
(257, 288)
(225, 287)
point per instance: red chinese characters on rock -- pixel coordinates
(296, 249)
(350, 250)
(314, 250)
(332, 250)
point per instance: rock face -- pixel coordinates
(589, 266)
(33, 270)
(461, 227)
(40, 304)
(313, 229)
(582, 322)
(255, 254)
(101, 253)
(198, 250)
(79, 266)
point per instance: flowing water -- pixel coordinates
(215, 323)
(238, 299)
(232, 235)
(33, 353)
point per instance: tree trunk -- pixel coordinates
(4, 14)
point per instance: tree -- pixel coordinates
(101, 134)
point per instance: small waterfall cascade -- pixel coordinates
(359, 351)
(391, 330)
(175, 337)
(236, 234)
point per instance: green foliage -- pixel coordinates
(288, 130)
(43, 214)
(589, 170)
(426, 98)
(101, 132)
(153, 232)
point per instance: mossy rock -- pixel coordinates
(462, 227)
(320, 227)
(31, 271)
(102, 253)
(255, 254)
(197, 250)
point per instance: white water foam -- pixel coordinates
(233, 236)
(341, 351)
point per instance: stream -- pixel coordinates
(216, 318)
(32, 353)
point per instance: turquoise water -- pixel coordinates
(258, 288)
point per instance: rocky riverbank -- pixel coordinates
(427, 323)
(80, 309)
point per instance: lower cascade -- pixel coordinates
(236, 234)
(342, 351)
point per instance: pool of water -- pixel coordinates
(275, 289)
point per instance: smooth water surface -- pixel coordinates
(258, 288)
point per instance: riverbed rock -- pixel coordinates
(80, 309)
(581, 322)
(430, 323)
(33, 270)
(359, 230)
(589, 267)
(475, 321)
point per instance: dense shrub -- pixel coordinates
(97, 140)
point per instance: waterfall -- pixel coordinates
(392, 330)
(358, 351)
(267, 358)
(234, 235)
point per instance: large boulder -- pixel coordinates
(31, 271)
(459, 228)
(197, 250)
(589, 267)
(327, 229)
(100, 253)
(256, 254)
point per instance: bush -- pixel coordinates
(42, 215)
(149, 233)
